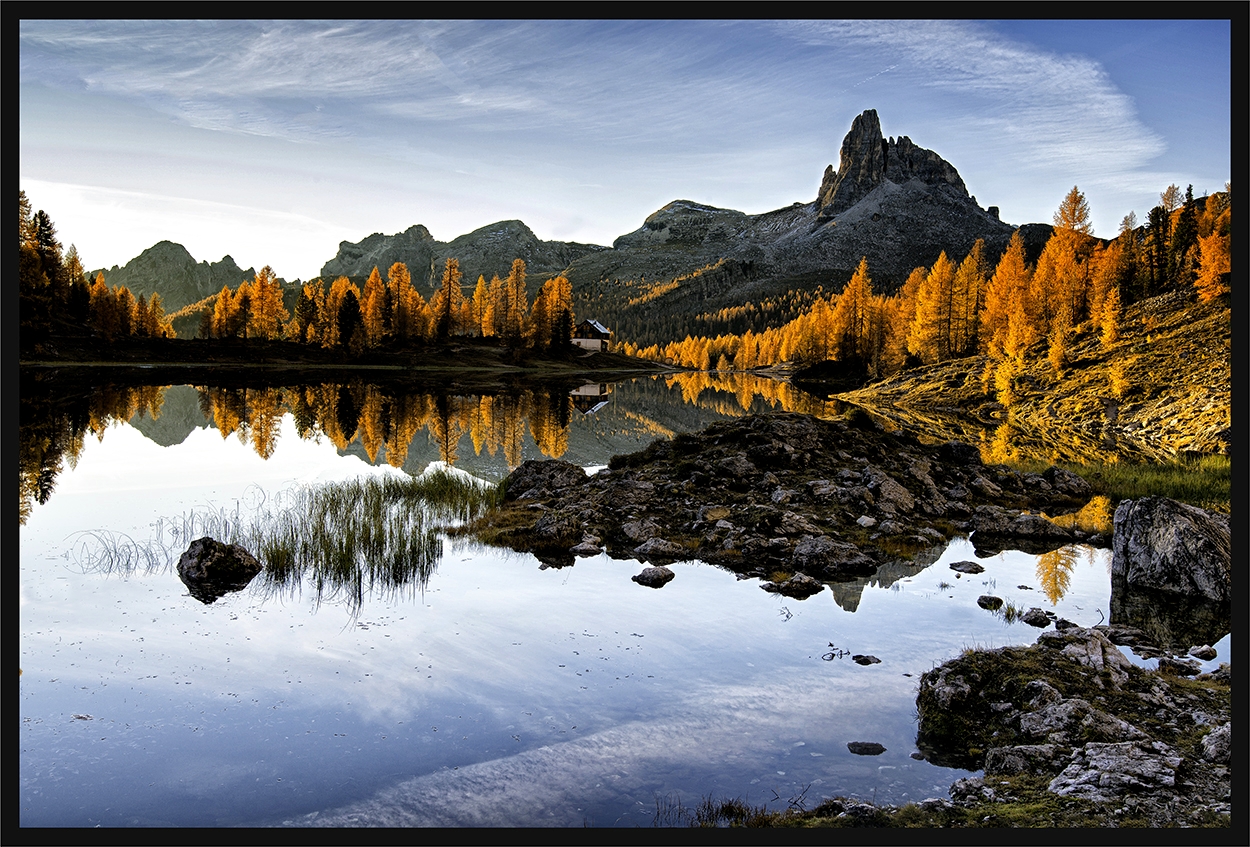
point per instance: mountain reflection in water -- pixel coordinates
(451, 684)
(488, 434)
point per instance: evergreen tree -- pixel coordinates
(1182, 261)
(1073, 213)
(967, 301)
(481, 303)
(304, 322)
(446, 305)
(350, 323)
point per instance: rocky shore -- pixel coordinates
(1068, 732)
(788, 498)
(1073, 718)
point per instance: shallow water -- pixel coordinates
(502, 693)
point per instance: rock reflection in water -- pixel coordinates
(1170, 621)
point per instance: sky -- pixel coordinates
(274, 141)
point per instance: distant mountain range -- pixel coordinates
(889, 200)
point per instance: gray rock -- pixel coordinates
(984, 486)
(889, 494)
(865, 748)
(1039, 692)
(972, 790)
(1206, 652)
(654, 577)
(1066, 482)
(1091, 648)
(1217, 744)
(1178, 667)
(540, 480)
(987, 601)
(1023, 758)
(586, 548)
(1068, 721)
(820, 554)
(1036, 617)
(211, 569)
(1106, 772)
(865, 660)
(792, 523)
(868, 159)
(1164, 545)
(738, 467)
(967, 567)
(556, 526)
(640, 531)
(1036, 526)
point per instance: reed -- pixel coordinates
(350, 539)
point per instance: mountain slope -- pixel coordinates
(166, 268)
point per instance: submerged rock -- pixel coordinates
(865, 748)
(1036, 617)
(654, 577)
(211, 569)
(800, 586)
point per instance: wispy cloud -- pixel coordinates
(1056, 110)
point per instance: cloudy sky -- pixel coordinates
(274, 141)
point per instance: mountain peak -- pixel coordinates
(868, 159)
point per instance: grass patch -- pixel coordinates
(1203, 481)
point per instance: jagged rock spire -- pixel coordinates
(867, 159)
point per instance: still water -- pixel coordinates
(500, 692)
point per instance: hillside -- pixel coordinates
(1162, 390)
(168, 269)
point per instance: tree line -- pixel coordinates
(393, 313)
(953, 309)
(55, 296)
(58, 298)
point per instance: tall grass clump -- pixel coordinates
(367, 534)
(350, 538)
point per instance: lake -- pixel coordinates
(493, 690)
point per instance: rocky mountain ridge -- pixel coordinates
(167, 268)
(486, 251)
(889, 200)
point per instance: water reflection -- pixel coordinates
(383, 422)
(52, 423)
(371, 536)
